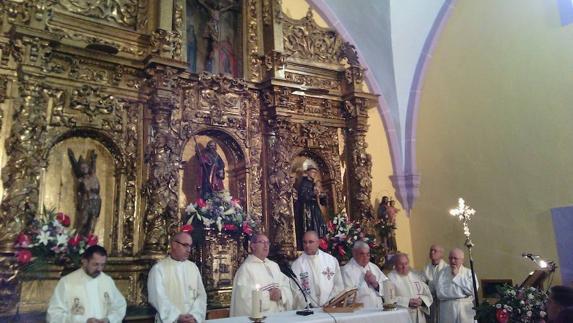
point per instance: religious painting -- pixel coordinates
(80, 182)
(310, 201)
(214, 42)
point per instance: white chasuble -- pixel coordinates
(79, 297)
(456, 296)
(264, 275)
(175, 288)
(412, 286)
(431, 274)
(320, 277)
(353, 277)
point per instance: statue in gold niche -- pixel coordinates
(88, 200)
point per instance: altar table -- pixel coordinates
(361, 316)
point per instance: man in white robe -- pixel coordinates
(87, 294)
(174, 285)
(360, 273)
(431, 271)
(318, 273)
(454, 290)
(258, 272)
(410, 290)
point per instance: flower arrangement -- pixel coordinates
(341, 235)
(527, 304)
(48, 239)
(221, 212)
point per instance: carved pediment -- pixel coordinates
(121, 12)
(306, 40)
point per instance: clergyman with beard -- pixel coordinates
(87, 294)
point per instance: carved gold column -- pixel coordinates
(166, 40)
(274, 61)
(8, 269)
(162, 158)
(254, 143)
(355, 109)
(279, 189)
(20, 176)
(253, 42)
(360, 162)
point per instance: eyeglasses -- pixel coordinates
(186, 245)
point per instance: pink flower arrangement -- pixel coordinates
(48, 239)
(341, 235)
(515, 304)
(221, 212)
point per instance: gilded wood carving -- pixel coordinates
(116, 72)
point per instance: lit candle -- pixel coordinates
(257, 303)
(388, 292)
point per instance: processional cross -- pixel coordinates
(464, 213)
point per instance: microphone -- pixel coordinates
(529, 255)
(285, 268)
(542, 263)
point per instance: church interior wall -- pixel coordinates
(494, 128)
(381, 184)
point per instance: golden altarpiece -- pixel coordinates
(115, 77)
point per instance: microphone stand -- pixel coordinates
(287, 271)
(307, 310)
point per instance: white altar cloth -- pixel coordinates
(361, 316)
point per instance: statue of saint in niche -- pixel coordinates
(383, 209)
(308, 215)
(88, 200)
(214, 36)
(212, 169)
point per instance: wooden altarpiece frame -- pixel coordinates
(119, 77)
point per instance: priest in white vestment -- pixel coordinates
(175, 288)
(318, 273)
(431, 271)
(455, 292)
(258, 272)
(87, 294)
(360, 273)
(410, 290)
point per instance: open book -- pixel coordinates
(343, 302)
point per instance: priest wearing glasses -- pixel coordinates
(175, 287)
(257, 273)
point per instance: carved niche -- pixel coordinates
(225, 109)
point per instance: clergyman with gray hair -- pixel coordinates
(360, 273)
(411, 291)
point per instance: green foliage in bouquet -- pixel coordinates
(523, 305)
(341, 235)
(47, 239)
(219, 212)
